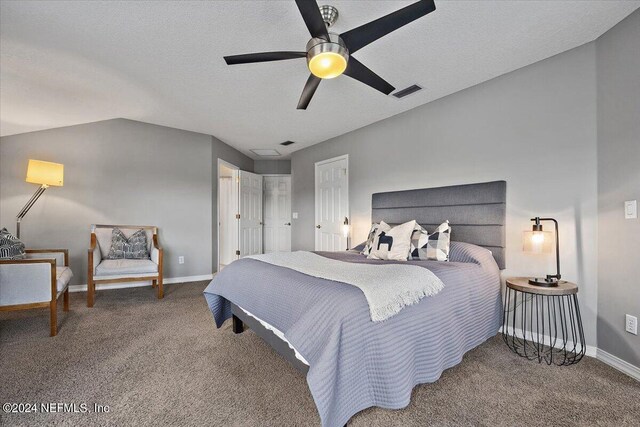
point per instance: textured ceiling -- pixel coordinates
(65, 63)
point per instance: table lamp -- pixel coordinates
(539, 241)
(345, 230)
(45, 174)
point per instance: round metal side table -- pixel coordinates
(543, 323)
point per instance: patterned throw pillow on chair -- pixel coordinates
(135, 247)
(431, 247)
(10, 246)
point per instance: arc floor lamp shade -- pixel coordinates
(45, 173)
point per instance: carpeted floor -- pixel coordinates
(164, 363)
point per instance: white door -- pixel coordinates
(332, 203)
(228, 222)
(277, 214)
(250, 214)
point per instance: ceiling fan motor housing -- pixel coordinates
(319, 48)
(329, 14)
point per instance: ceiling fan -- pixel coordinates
(329, 55)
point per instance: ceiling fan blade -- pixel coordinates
(372, 31)
(263, 57)
(356, 70)
(311, 14)
(308, 91)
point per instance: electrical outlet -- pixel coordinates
(180, 260)
(631, 324)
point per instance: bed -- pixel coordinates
(324, 328)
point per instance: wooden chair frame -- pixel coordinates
(156, 280)
(53, 304)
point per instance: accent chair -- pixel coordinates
(103, 270)
(38, 281)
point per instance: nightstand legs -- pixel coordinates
(543, 327)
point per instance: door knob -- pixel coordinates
(318, 226)
(287, 223)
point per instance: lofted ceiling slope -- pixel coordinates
(66, 63)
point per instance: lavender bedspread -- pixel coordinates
(355, 363)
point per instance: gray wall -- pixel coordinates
(534, 128)
(119, 172)
(272, 166)
(618, 65)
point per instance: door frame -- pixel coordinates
(230, 166)
(315, 195)
(270, 175)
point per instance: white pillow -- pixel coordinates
(392, 243)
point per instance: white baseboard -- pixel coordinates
(166, 281)
(619, 364)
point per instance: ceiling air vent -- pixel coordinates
(407, 91)
(265, 152)
(287, 143)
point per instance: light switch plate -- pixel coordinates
(631, 209)
(295, 215)
(631, 324)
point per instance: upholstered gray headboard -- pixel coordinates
(476, 212)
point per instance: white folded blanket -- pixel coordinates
(387, 287)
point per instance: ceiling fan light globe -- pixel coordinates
(327, 65)
(327, 59)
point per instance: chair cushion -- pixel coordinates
(63, 276)
(112, 267)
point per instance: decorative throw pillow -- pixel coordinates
(431, 247)
(415, 235)
(392, 243)
(135, 247)
(10, 246)
(370, 238)
(375, 230)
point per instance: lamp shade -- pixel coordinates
(345, 227)
(45, 173)
(537, 242)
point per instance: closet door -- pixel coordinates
(277, 214)
(250, 214)
(332, 203)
